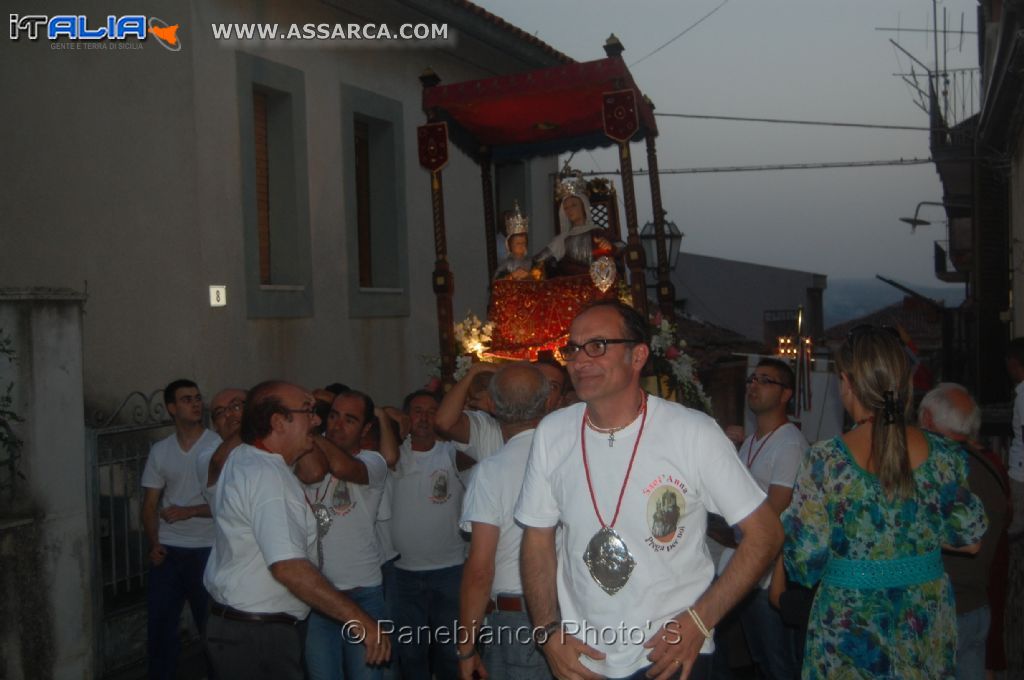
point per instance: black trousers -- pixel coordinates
(249, 650)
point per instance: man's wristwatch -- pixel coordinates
(468, 655)
(541, 634)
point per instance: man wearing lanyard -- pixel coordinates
(259, 576)
(631, 478)
(772, 454)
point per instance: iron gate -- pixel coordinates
(118, 446)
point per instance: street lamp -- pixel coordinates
(649, 240)
(914, 221)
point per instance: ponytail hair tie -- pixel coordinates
(889, 408)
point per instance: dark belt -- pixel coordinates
(233, 614)
(507, 603)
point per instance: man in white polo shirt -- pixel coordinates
(631, 478)
(260, 578)
(177, 522)
(490, 579)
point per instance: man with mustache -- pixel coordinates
(260, 576)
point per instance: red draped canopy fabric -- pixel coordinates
(537, 113)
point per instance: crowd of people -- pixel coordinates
(552, 519)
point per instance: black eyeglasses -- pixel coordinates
(763, 380)
(593, 348)
(235, 406)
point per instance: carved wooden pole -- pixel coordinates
(490, 222)
(634, 251)
(432, 145)
(666, 289)
(443, 282)
(621, 121)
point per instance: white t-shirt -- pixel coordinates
(173, 470)
(261, 518)
(203, 473)
(485, 438)
(382, 527)
(491, 499)
(773, 461)
(1015, 462)
(425, 509)
(352, 554)
(684, 468)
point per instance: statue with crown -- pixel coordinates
(533, 300)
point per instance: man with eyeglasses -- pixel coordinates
(260, 576)
(631, 478)
(176, 519)
(226, 418)
(772, 454)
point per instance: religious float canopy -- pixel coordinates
(539, 113)
(544, 112)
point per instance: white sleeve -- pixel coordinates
(726, 485)
(537, 506)
(152, 477)
(482, 430)
(787, 462)
(376, 468)
(480, 503)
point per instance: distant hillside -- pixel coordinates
(847, 299)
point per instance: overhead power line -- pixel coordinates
(778, 166)
(788, 121)
(679, 35)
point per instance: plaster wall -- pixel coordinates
(128, 187)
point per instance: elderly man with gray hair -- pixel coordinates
(950, 411)
(490, 578)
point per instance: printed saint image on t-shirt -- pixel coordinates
(341, 500)
(664, 508)
(439, 492)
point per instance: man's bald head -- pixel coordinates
(950, 410)
(519, 392)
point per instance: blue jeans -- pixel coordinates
(511, 653)
(387, 570)
(972, 634)
(426, 611)
(332, 654)
(178, 578)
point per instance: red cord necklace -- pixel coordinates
(750, 461)
(607, 557)
(586, 465)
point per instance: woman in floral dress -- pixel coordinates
(871, 512)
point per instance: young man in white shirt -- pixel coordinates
(631, 478)
(772, 454)
(176, 519)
